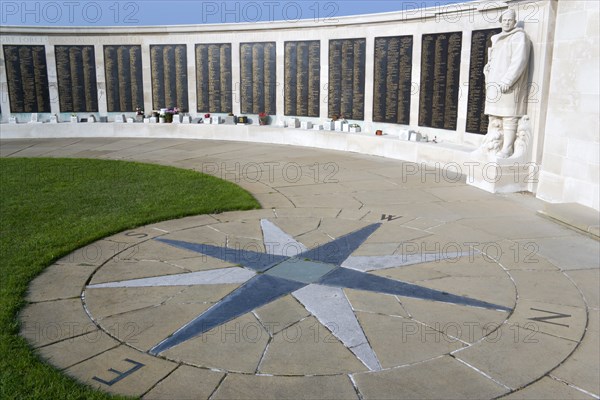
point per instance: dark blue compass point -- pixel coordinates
(258, 291)
(298, 270)
(351, 279)
(336, 251)
(249, 259)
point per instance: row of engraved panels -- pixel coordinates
(123, 70)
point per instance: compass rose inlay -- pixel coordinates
(315, 277)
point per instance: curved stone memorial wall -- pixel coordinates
(416, 73)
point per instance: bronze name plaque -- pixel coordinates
(27, 78)
(440, 75)
(392, 79)
(124, 81)
(76, 73)
(258, 75)
(213, 78)
(169, 76)
(347, 78)
(477, 121)
(302, 77)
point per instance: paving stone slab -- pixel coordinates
(307, 212)
(375, 303)
(558, 320)
(313, 348)
(186, 383)
(548, 388)
(281, 314)
(59, 282)
(581, 369)
(274, 200)
(516, 357)
(184, 223)
(236, 346)
(467, 324)
(467, 234)
(440, 378)
(94, 254)
(104, 302)
(141, 330)
(412, 342)
(122, 370)
(494, 290)
(236, 386)
(547, 286)
(122, 270)
(528, 228)
(74, 350)
(514, 255)
(571, 252)
(157, 251)
(54, 321)
(588, 282)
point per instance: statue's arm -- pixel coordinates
(519, 59)
(486, 67)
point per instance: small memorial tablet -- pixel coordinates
(440, 73)
(258, 77)
(76, 74)
(302, 77)
(169, 75)
(392, 79)
(124, 82)
(27, 78)
(213, 78)
(477, 121)
(347, 65)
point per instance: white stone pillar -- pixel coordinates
(147, 78)
(101, 79)
(236, 78)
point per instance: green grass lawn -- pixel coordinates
(50, 207)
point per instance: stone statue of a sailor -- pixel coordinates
(506, 76)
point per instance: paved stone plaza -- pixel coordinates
(361, 277)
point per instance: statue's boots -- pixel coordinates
(509, 130)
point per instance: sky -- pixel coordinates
(183, 12)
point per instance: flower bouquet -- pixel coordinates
(263, 118)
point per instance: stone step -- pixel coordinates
(574, 216)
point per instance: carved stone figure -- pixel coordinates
(506, 76)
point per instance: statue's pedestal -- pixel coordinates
(500, 175)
